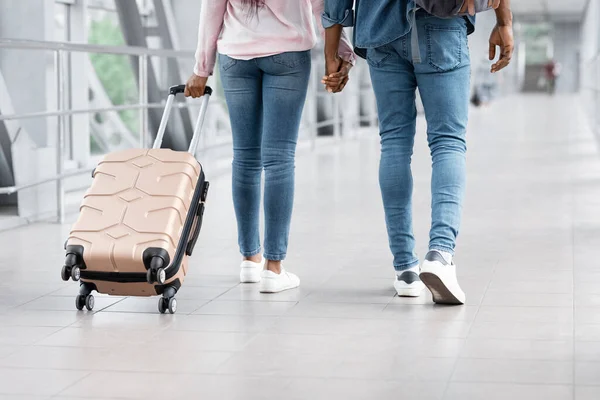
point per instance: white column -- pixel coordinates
(29, 79)
(80, 124)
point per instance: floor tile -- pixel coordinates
(97, 337)
(63, 303)
(587, 315)
(519, 299)
(202, 292)
(337, 310)
(587, 332)
(128, 385)
(261, 308)
(377, 327)
(59, 358)
(212, 387)
(525, 314)
(529, 286)
(19, 335)
(250, 292)
(522, 330)
(165, 358)
(495, 391)
(587, 392)
(26, 397)
(224, 323)
(150, 305)
(61, 397)
(39, 318)
(376, 365)
(14, 381)
(8, 349)
(114, 320)
(518, 349)
(587, 373)
(587, 351)
(326, 389)
(587, 300)
(379, 295)
(193, 340)
(430, 312)
(514, 371)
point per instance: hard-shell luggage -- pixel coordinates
(139, 220)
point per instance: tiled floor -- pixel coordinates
(528, 259)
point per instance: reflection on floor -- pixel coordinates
(528, 260)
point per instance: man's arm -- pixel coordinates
(503, 13)
(333, 36)
(502, 36)
(336, 15)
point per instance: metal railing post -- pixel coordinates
(143, 93)
(60, 63)
(314, 104)
(337, 132)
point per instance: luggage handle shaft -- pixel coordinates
(173, 91)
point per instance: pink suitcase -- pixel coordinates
(139, 221)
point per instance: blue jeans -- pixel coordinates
(265, 97)
(443, 79)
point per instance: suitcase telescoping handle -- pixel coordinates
(173, 91)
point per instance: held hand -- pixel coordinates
(195, 86)
(336, 74)
(502, 36)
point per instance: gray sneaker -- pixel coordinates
(408, 283)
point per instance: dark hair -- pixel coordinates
(253, 6)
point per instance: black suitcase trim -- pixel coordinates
(182, 246)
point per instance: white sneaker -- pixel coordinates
(275, 283)
(408, 283)
(440, 278)
(250, 271)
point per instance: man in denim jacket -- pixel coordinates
(406, 49)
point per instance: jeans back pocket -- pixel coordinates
(226, 62)
(444, 46)
(292, 58)
(376, 57)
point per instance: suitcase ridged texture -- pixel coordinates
(139, 199)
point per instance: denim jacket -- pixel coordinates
(376, 22)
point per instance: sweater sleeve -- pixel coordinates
(345, 49)
(212, 15)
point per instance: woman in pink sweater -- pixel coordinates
(263, 48)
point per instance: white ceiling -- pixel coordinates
(548, 6)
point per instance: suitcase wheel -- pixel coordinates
(165, 304)
(84, 301)
(70, 273)
(75, 273)
(159, 275)
(65, 274)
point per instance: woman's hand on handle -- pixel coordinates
(195, 86)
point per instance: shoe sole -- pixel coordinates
(249, 276)
(268, 287)
(441, 294)
(408, 291)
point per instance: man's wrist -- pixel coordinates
(504, 21)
